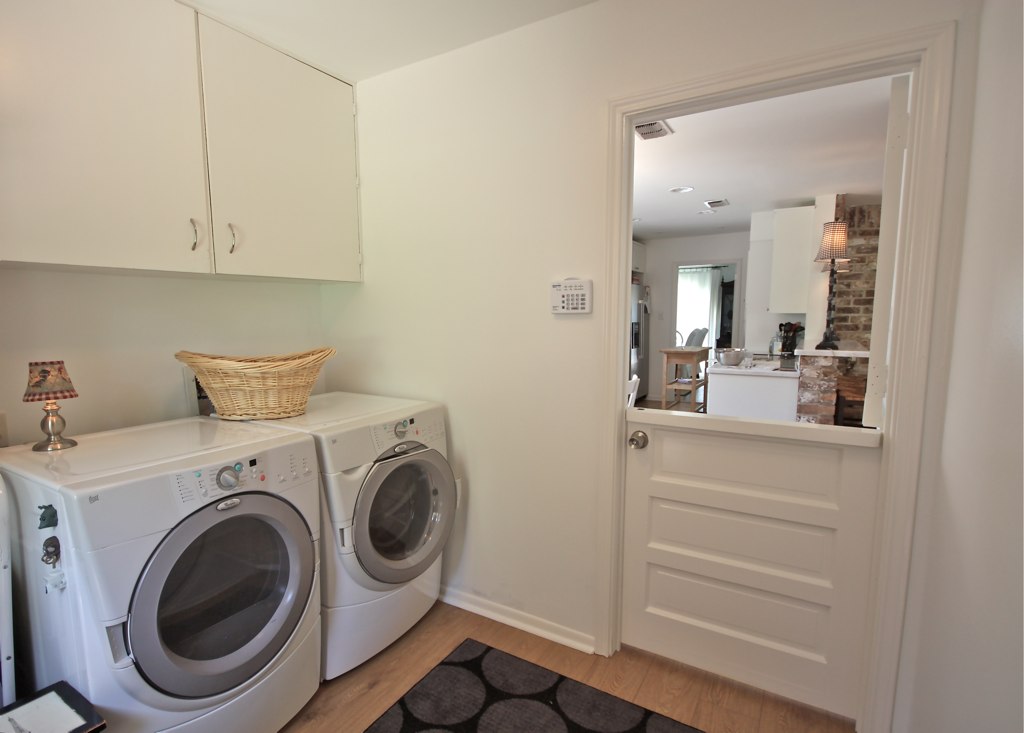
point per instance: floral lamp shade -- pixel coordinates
(48, 380)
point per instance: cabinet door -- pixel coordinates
(102, 143)
(793, 251)
(281, 153)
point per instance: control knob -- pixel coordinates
(228, 478)
(401, 428)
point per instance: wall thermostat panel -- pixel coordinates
(572, 296)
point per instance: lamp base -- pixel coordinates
(829, 339)
(57, 442)
(53, 425)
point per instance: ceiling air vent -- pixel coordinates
(650, 130)
(717, 203)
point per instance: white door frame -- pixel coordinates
(929, 54)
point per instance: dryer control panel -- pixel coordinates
(257, 472)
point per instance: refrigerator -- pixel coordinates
(639, 332)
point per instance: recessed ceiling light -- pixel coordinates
(707, 211)
(681, 189)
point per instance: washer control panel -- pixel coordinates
(425, 428)
(265, 471)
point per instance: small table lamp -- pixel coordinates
(832, 251)
(49, 381)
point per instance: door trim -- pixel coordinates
(929, 53)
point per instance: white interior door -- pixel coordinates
(748, 549)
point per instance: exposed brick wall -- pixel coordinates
(816, 393)
(855, 290)
(819, 375)
(855, 296)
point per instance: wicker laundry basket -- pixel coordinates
(257, 387)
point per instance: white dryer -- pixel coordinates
(170, 573)
(389, 504)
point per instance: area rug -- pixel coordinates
(478, 689)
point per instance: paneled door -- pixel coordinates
(748, 548)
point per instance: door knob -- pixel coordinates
(638, 439)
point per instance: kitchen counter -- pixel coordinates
(759, 369)
(761, 391)
(833, 352)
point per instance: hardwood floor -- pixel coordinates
(349, 703)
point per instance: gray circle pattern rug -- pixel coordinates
(478, 689)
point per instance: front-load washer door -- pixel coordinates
(403, 515)
(221, 595)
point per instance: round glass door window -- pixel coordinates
(221, 596)
(404, 515)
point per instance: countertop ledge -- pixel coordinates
(832, 352)
(758, 370)
(773, 429)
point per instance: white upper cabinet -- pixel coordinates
(105, 156)
(281, 155)
(793, 250)
(639, 263)
(102, 145)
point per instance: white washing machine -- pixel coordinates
(7, 688)
(389, 503)
(170, 573)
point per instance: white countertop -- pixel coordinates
(759, 369)
(832, 352)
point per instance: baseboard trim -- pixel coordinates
(519, 620)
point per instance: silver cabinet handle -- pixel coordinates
(638, 439)
(231, 227)
(195, 234)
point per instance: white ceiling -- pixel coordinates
(357, 39)
(765, 155)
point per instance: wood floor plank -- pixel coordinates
(351, 702)
(572, 663)
(721, 693)
(712, 719)
(672, 689)
(621, 674)
(783, 716)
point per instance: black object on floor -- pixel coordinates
(478, 689)
(59, 701)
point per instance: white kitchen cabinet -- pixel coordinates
(281, 155)
(102, 144)
(761, 392)
(105, 147)
(639, 263)
(793, 250)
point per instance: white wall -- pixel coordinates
(663, 257)
(484, 178)
(961, 664)
(117, 334)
